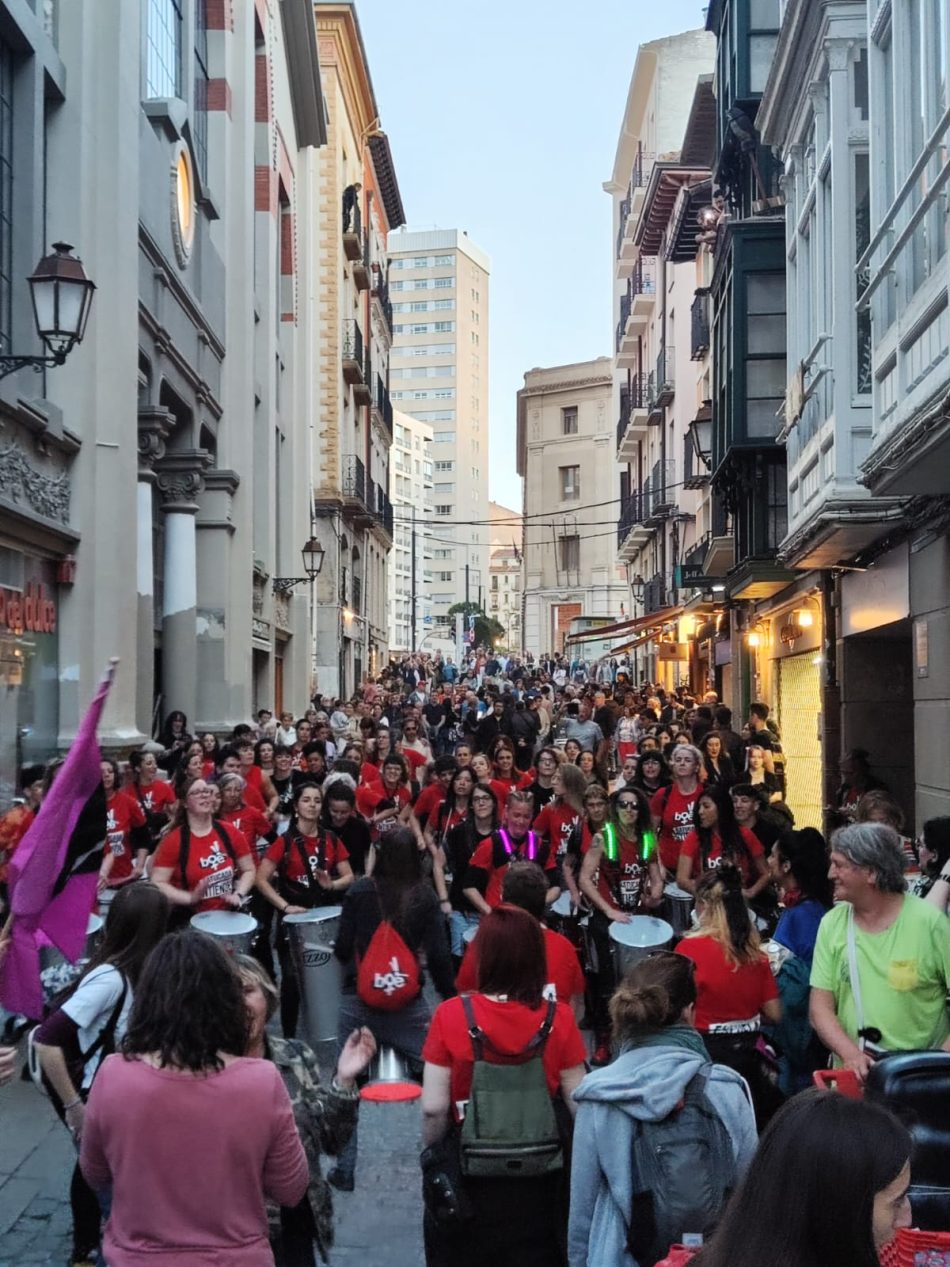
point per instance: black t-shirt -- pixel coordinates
(356, 837)
(541, 796)
(767, 832)
(606, 719)
(285, 789)
(433, 713)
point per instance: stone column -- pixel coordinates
(179, 482)
(223, 696)
(154, 425)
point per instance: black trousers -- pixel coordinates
(517, 1223)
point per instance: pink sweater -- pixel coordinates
(190, 1160)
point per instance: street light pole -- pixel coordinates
(412, 583)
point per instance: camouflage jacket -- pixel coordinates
(325, 1121)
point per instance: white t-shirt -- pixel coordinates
(91, 1007)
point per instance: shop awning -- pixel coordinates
(637, 625)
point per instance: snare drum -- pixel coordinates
(235, 931)
(319, 973)
(677, 908)
(635, 941)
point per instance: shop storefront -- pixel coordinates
(29, 664)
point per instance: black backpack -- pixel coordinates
(683, 1170)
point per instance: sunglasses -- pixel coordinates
(626, 805)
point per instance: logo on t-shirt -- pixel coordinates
(682, 823)
(214, 859)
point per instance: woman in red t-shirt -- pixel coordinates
(503, 764)
(388, 803)
(210, 748)
(735, 985)
(716, 838)
(218, 870)
(253, 824)
(126, 833)
(311, 867)
(672, 807)
(561, 821)
(519, 1220)
(620, 874)
(156, 797)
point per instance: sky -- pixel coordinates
(503, 120)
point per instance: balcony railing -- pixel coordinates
(654, 593)
(631, 514)
(624, 214)
(352, 224)
(380, 293)
(354, 479)
(624, 318)
(383, 405)
(661, 492)
(642, 167)
(352, 356)
(695, 474)
(356, 599)
(699, 326)
(665, 371)
(642, 280)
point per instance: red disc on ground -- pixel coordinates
(391, 1092)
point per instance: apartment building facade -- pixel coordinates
(865, 420)
(506, 573)
(667, 516)
(565, 442)
(410, 564)
(136, 514)
(439, 285)
(359, 205)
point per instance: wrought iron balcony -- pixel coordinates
(665, 375)
(633, 403)
(695, 472)
(654, 594)
(622, 226)
(699, 326)
(354, 363)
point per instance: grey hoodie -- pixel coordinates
(645, 1083)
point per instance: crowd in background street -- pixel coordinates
(490, 829)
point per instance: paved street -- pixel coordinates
(380, 1223)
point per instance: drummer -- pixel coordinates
(126, 833)
(201, 862)
(620, 875)
(312, 869)
(512, 842)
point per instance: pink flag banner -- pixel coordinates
(53, 874)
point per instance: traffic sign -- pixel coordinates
(471, 621)
(427, 620)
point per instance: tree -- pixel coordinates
(486, 630)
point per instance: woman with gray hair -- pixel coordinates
(881, 968)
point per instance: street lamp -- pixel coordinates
(700, 431)
(312, 555)
(62, 297)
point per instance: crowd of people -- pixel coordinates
(488, 830)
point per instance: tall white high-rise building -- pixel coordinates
(410, 564)
(438, 284)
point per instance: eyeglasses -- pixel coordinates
(626, 805)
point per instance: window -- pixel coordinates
(444, 437)
(443, 259)
(163, 49)
(443, 510)
(444, 283)
(569, 553)
(443, 576)
(569, 422)
(421, 261)
(444, 304)
(570, 482)
(494, 581)
(444, 327)
(445, 488)
(6, 192)
(201, 88)
(442, 553)
(445, 393)
(862, 236)
(765, 353)
(396, 285)
(419, 305)
(445, 466)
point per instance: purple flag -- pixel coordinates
(53, 874)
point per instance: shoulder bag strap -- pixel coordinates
(853, 971)
(544, 1033)
(475, 1033)
(107, 1033)
(225, 839)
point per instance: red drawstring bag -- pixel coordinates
(388, 976)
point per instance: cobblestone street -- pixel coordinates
(378, 1224)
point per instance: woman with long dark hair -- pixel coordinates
(311, 868)
(653, 1013)
(156, 797)
(127, 836)
(652, 773)
(783, 1214)
(183, 1090)
(798, 864)
(734, 983)
(451, 865)
(934, 852)
(720, 772)
(620, 874)
(398, 894)
(516, 1219)
(717, 837)
(174, 736)
(90, 1023)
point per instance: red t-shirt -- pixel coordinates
(690, 849)
(428, 802)
(555, 823)
(369, 773)
(123, 812)
(253, 776)
(370, 798)
(500, 791)
(155, 797)
(676, 820)
(250, 822)
(564, 975)
(490, 861)
(415, 760)
(729, 996)
(510, 1027)
(205, 857)
(285, 854)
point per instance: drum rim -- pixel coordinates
(316, 915)
(229, 915)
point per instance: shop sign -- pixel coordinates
(27, 611)
(672, 651)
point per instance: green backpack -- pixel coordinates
(509, 1129)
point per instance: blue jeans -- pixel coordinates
(459, 923)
